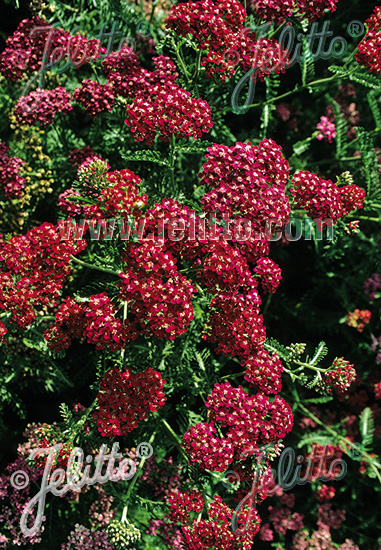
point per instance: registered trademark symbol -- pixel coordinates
(355, 28)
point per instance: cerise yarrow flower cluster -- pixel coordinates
(168, 111)
(247, 421)
(323, 198)
(125, 399)
(94, 321)
(218, 29)
(215, 531)
(369, 50)
(105, 194)
(248, 182)
(34, 268)
(94, 97)
(277, 10)
(42, 106)
(159, 297)
(339, 377)
(36, 43)
(11, 182)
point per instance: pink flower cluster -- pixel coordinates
(324, 199)
(125, 399)
(94, 97)
(13, 502)
(325, 493)
(42, 106)
(11, 183)
(327, 130)
(249, 421)
(372, 286)
(369, 50)
(376, 346)
(82, 538)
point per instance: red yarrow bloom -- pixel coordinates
(11, 182)
(94, 97)
(42, 106)
(320, 198)
(125, 399)
(168, 111)
(340, 377)
(369, 50)
(264, 371)
(211, 24)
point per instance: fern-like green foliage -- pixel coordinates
(341, 127)
(308, 65)
(272, 85)
(273, 346)
(367, 427)
(66, 414)
(374, 101)
(145, 156)
(361, 76)
(369, 160)
(319, 353)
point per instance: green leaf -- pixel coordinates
(366, 427)
(373, 104)
(360, 76)
(145, 156)
(341, 127)
(317, 400)
(301, 146)
(369, 160)
(308, 66)
(320, 352)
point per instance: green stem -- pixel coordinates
(172, 161)
(296, 89)
(308, 366)
(180, 60)
(175, 437)
(329, 161)
(138, 472)
(197, 70)
(81, 422)
(91, 266)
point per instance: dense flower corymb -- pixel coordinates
(42, 106)
(125, 399)
(168, 111)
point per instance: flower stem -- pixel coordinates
(172, 161)
(97, 268)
